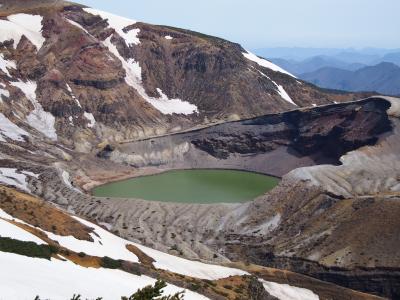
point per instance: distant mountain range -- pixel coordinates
(371, 69)
(299, 53)
(383, 78)
(315, 63)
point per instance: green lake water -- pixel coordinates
(193, 186)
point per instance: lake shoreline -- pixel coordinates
(149, 171)
(230, 184)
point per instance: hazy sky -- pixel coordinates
(273, 23)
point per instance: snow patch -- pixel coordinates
(14, 232)
(67, 180)
(39, 119)
(283, 94)
(24, 277)
(288, 292)
(186, 267)
(104, 243)
(73, 23)
(73, 96)
(6, 64)
(9, 176)
(171, 106)
(10, 130)
(90, 118)
(31, 174)
(163, 260)
(265, 63)
(280, 90)
(134, 79)
(118, 24)
(168, 37)
(3, 92)
(22, 24)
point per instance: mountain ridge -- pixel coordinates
(383, 78)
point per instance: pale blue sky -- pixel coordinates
(273, 23)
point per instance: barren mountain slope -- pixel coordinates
(94, 76)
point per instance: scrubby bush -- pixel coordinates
(109, 263)
(147, 293)
(154, 293)
(30, 249)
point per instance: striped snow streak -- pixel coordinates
(133, 70)
(39, 119)
(265, 63)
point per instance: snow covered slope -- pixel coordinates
(23, 277)
(18, 25)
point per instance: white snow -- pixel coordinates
(6, 216)
(105, 243)
(168, 37)
(170, 106)
(115, 247)
(186, 267)
(12, 231)
(118, 23)
(39, 119)
(22, 24)
(67, 180)
(10, 176)
(73, 96)
(280, 90)
(90, 118)
(31, 174)
(6, 64)
(78, 26)
(265, 63)
(65, 177)
(283, 94)
(163, 260)
(25, 277)
(133, 70)
(3, 92)
(134, 79)
(10, 130)
(288, 292)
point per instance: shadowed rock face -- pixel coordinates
(327, 132)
